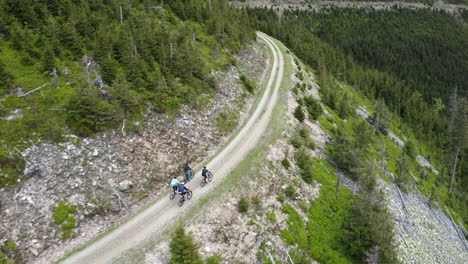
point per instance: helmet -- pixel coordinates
(204, 167)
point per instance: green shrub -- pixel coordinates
(248, 84)
(11, 245)
(286, 164)
(243, 205)
(299, 114)
(410, 148)
(304, 205)
(5, 260)
(296, 142)
(305, 139)
(302, 139)
(183, 248)
(305, 164)
(227, 121)
(271, 216)
(313, 107)
(303, 132)
(256, 202)
(88, 114)
(215, 259)
(290, 192)
(281, 198)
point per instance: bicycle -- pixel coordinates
(182, 200)
(205, 180)
(173, 193)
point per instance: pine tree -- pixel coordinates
(183, 248)
(403, 180)
(48, 60)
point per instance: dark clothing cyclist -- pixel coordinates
(187, 168)
(182, 189)
(187, 171)
(205, 172)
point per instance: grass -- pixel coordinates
(322, 237)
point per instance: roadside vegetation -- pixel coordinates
(184, 250)
(408, 68)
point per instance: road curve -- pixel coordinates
(152, 221)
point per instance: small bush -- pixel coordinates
(304, 205)
(302, 139)
(5, 260)
(243, 205)
(290, 192)
(248, 84)
(271, 216)
(215, 259)
(281, 198)
(303, 132)
(11, 245)
(411, 149)
(313, 107)
(296, 142)
(286, 164)
(227, 121)
(299, 114)
(305, 164)
(256, 201)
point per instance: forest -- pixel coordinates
(83, 67)
(100, 64)
(412, 61)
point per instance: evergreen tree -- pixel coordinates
(183, 249)
(48, 60)
(299, 114)
(403, 178)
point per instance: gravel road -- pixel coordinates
(155, 219)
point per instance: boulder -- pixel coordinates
(125, 185)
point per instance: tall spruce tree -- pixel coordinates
(183, 248)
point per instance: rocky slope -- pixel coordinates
(109, 176)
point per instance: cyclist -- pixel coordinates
(187, 171)
(204, 173)
(183, 190)
(175, 183)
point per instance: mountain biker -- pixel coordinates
(187, 171)
(204, 173)
(175, 183)
(183, 190)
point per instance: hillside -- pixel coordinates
(300, 204)
(99, 65)
(439, 124)
(336, 131)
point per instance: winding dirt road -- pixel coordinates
(154, 220)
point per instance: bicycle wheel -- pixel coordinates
(210, 176)
(191, 174)
(189, 195)
(181, 202)
(172, 195)
(202, 182)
